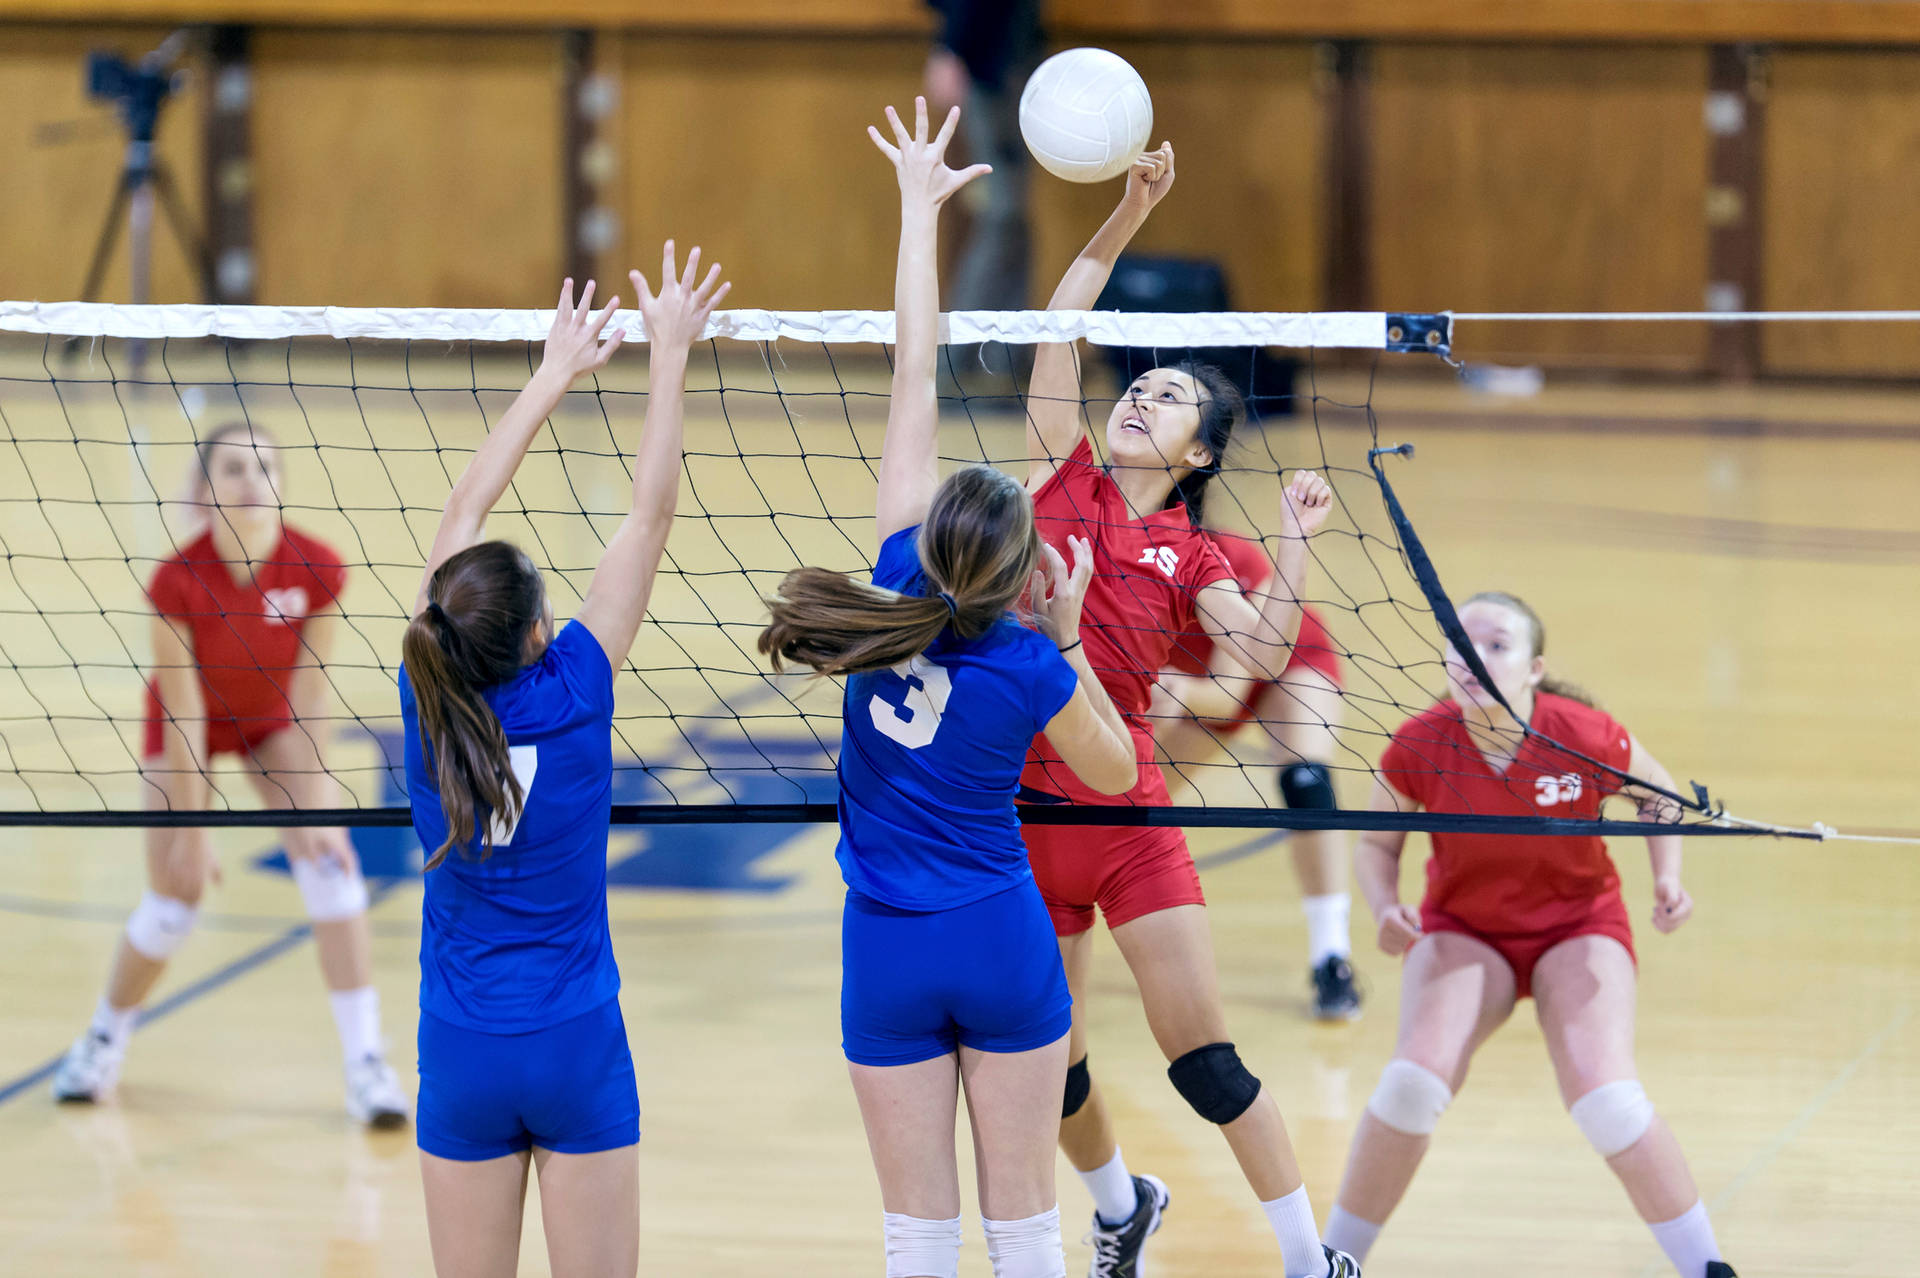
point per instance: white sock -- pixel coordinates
(1292, 1221)
(1347, 1232)
(1688, 1241)
(356, 1014)
(1028, 1248)
(1111, 1184)
(1328, 932)
(115, 1024)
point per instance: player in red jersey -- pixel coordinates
(1156, 572)
(1508, 916)
(244, 620)
(1207, 694)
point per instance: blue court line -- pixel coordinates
(207, 984)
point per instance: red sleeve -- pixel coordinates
(1612, 744)
(1070, 478)
(1405, 771)
(324, 566)
(170, 591)
(1203, 565)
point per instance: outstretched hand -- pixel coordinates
(1308, 500)
(677, 314)
(921, 163)
(1057, 592)
(573, 346)
(1150, 178)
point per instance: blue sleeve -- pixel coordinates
(577, 657)
(1053, 682)
(898, 567)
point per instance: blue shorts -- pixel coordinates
(568, 1088)
(914, 986)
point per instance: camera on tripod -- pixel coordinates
(137, 88)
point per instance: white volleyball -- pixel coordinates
(1085, 115)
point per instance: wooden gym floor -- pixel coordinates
(1732, 572)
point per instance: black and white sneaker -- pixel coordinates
(1116, 1250)
(1720, 1269)
(1340, 1264)
(1335, 996)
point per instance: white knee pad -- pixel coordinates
(331, 893)
(159, 925)
(1613, 1116)
(1028, 1248)
(916, 1246)
(1410, 1098)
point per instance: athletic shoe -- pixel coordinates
(1116, 1250)
(1335, 996)
(1720, 1269)
(89, 1070)
(1340, 1264)
(374, 1096)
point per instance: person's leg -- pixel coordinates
(1171, 954)
(1015, 1129)
(590, 1206)
(909, 1113)
(1585, 988)
(1454, 992)
(1086, 1128)
(473, 1214)
(1300, 715)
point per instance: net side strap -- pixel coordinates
(1352, 330)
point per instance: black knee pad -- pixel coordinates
(1214, 1082)
(1079, 1083)
(1307, 786)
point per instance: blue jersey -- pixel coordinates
(931, 752)
(519, 942)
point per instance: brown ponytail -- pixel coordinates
(1514, 603)
(482, 603)
(978, 548)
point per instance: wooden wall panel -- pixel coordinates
(757, 150)
(1517, 179)
(1247, 130)
(1842, 181)
(58, 193)
(407, 170)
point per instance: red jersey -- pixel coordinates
(1146, 575)
(246, 636)
(1511, 884)
(1253, 569)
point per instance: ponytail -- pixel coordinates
(838, 626)
(482, 603)
(977, 549)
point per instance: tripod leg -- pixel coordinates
(183, 231)
(103, 247)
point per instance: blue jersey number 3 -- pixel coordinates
(912, 698)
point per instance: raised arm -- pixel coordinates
(910, 458)
(1672, 906)
(573, 348)
(1376, 869)
(1260, 637)
(1054, 409)
(622, 583)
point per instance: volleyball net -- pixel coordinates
(370, 415)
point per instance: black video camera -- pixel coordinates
(137, 88)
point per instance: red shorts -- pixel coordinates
(1606, 917)
(224, 736)
(1128, 871)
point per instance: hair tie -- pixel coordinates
(953, 609)
(438, 613)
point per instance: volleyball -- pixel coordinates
(1085, 115)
